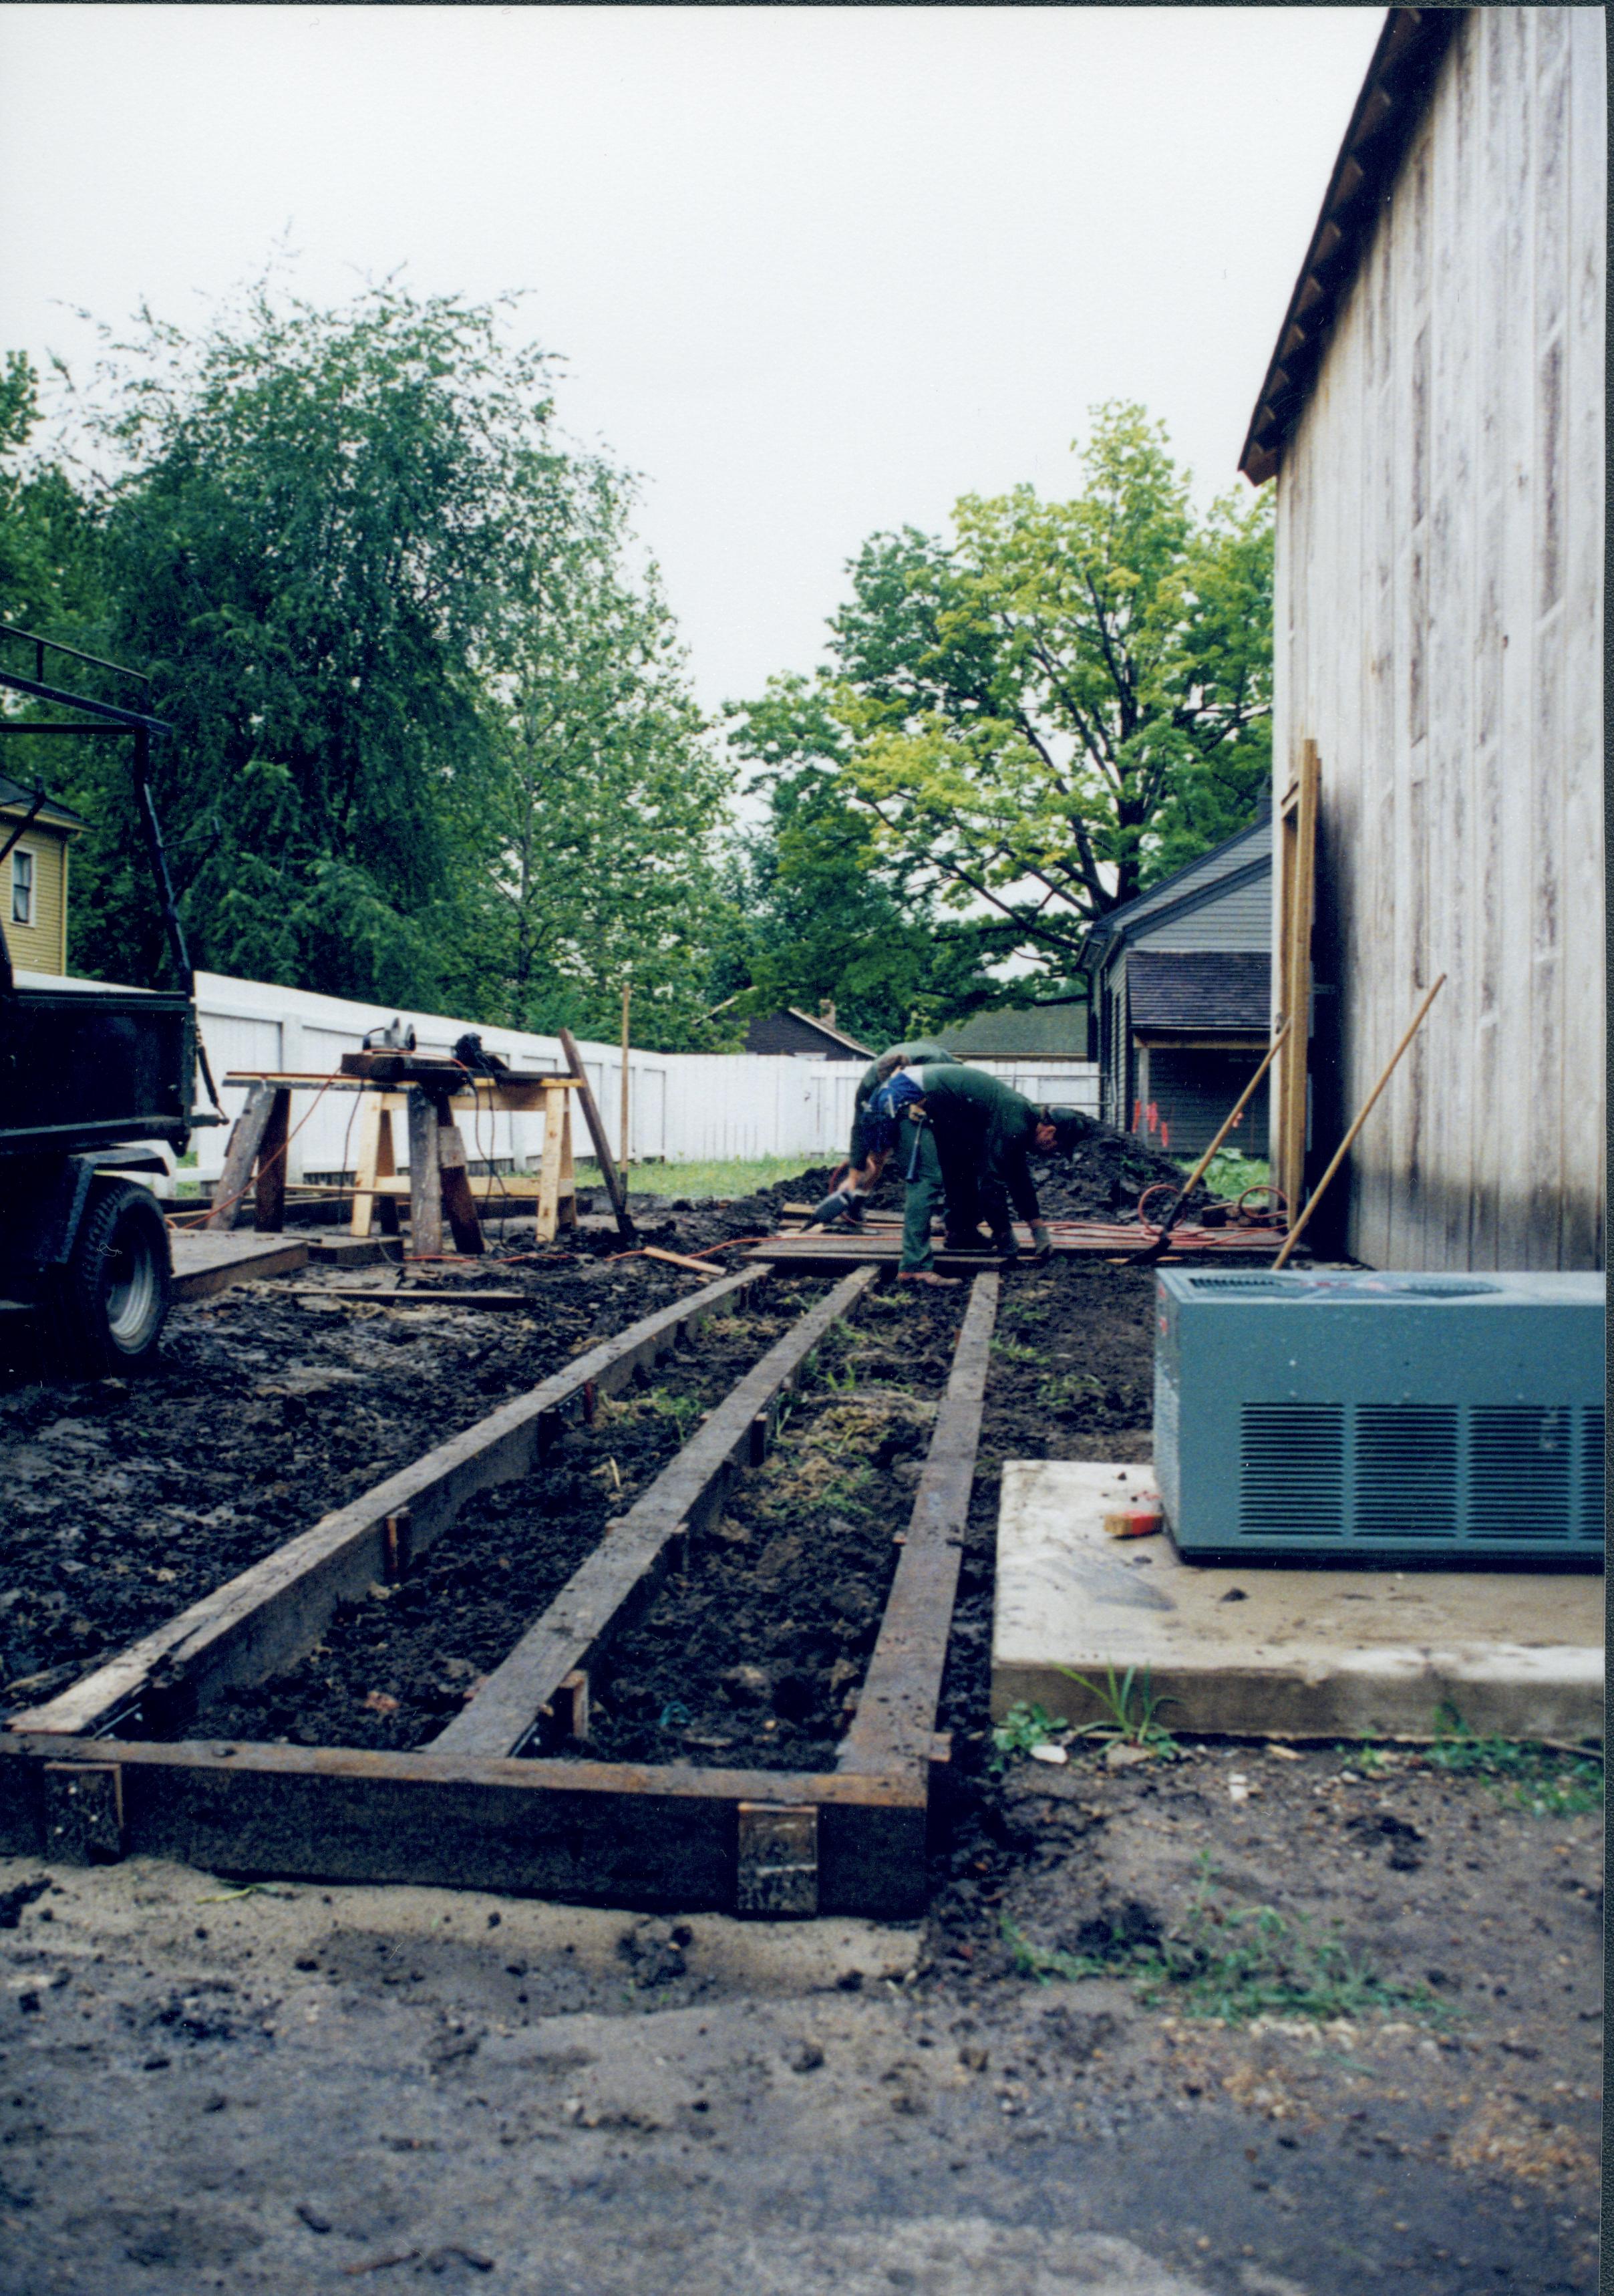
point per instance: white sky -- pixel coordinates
(814, 271)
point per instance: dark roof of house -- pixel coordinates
(1051, 1027)
(1184, 889)
(791, 1031)
(1214, 989)
(1395, 96)
(15, 799)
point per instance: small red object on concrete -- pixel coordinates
(1142, 1520)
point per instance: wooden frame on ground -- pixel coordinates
(470, 1810)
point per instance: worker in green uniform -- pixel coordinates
(985, 1135)
(878, 1134)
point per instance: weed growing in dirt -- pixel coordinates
(1541, 1779)
(1065, 1390)
(683, 1410)
(1010, 1350)
(1131, 1706)
(1232, 1962)
(1022, 1728)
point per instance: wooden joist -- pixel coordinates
(622, 1574)
(895, 1724)
(268, 1617)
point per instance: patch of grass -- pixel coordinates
(1229, 1174)
(1065, 1390)
(1014, 1350)
(683, 1410)
(1232, 1962)
(1541, 1779)
(737, 1177)
(1131, 1705)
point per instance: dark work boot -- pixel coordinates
(1002, 1241)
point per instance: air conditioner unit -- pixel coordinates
(1338, 1414)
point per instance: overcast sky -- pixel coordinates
(814, 271)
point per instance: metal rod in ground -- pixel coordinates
(614, 1186)
(1343, 1150)
(1147, 1258)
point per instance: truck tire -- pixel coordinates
(112, 1298)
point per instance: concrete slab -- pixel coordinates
(206, 1262)
(1260, 1651)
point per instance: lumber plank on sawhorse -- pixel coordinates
(624, 1568)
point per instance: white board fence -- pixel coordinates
(684, 1107)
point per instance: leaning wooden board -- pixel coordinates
(764, 1842)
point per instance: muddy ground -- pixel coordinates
(299, 2088)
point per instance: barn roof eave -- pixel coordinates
(1394, 95)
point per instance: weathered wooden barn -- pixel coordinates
(1181, 981)
(1433, 414)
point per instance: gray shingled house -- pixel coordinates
(1182, 985)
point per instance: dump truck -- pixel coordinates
(90, 1077)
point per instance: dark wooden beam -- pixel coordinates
(621, 1575)
(894, 1727)
(582, 1831)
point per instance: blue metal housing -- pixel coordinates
(1401, 1417)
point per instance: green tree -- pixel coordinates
(318, 531)
(50, 557)
(1068, 699)
(829, 915)
(601, 819)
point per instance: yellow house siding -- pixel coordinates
(41, 945)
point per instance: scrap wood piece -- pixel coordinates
(895, 1725)
(268, 1616)
(624, 1570)
(372, 1296)
(676, 1260)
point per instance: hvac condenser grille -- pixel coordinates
(1591, 1473)
(1239, 1283)
(1519, 1460)
(1406, 1471)
(1291, 1469)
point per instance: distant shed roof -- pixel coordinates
(1050, 1029)
(1212, 990)
(1394, 95)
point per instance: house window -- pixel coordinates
(22, 887)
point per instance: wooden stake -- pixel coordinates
(595, 1122)
(1203, 1166)
(1342, 1151)
(628, 990)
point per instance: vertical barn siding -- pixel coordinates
(1439, 635)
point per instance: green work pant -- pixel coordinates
(925, 1194)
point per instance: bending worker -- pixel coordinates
(984, 1136)
(879, 1131)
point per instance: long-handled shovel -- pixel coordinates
(1151, 1252)
(1343, 1150)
